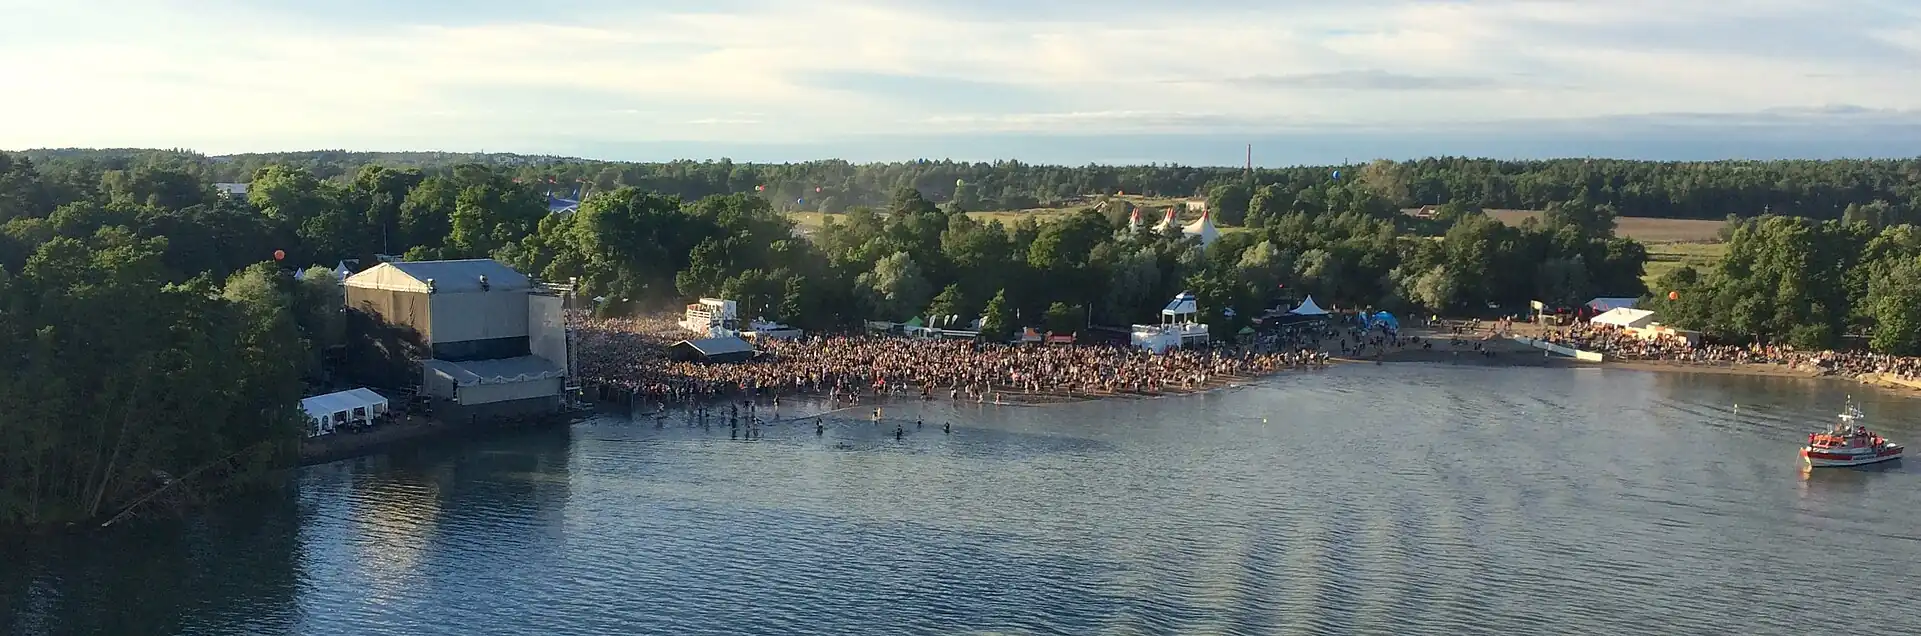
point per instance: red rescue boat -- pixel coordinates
(1849, 443)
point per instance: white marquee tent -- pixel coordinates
(1624, 317)
(333, 410)
(1308, 308)
(1203, 228)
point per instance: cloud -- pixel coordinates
(1096, 121)
(928, 91)
(227, 75)
(1369, 80)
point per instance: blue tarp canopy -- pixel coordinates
(1385, 320)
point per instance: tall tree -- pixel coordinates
(896, 289)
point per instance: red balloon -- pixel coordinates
(280, 255)
(1674, 295)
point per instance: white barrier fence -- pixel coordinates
(1584, 356)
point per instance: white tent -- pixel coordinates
(333, 410)
(1167, 221)
(1134, 220)
(1203, 228)
(1624, 317)
(1308, 308)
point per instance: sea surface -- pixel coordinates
(1366, 499)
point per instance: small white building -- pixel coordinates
(1180, 327)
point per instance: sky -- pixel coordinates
(1054, 81)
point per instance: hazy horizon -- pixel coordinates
(1069, 82)
(1269, 151)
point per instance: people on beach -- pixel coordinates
(630, 354)
(1622, 344)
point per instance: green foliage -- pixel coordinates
(997, 323)
(1230, 203)
(23, 193)
(120, 375)
(1895, 304)
(895, 290)
(949, 302)
(1698, 190)
(1062, 318)
(1802, 282)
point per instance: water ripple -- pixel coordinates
(1366, 500)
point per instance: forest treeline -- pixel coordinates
(1689, 190)
(149, 334)
(1806, 283)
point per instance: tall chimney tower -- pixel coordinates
(1250, 159)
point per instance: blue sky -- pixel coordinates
(1063, 81)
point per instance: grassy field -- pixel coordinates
(1642, 229)
(1672, 243)
(1667, 257)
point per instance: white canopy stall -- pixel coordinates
(1624, 317)
(353, 407)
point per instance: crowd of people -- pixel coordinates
(1623, 344)
(632, 355)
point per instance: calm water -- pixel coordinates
(1368, 499)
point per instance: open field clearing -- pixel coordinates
(1671, 243)
(1667, 257)
(1642, 229)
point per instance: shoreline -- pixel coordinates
(411, 431)
(1510, 353)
